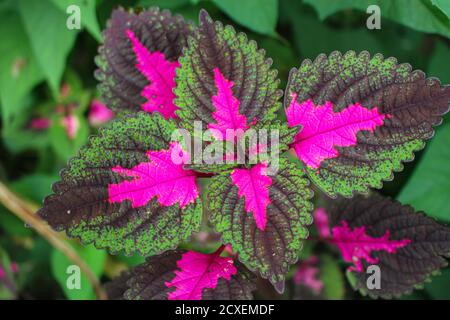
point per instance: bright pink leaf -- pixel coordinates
(321, 222)
(323, 129)
(161, 74)
(307, 273)
(197, 272)
(227, 113)
(253, 184)
(99, 113)
(356, 245)
(163, 176)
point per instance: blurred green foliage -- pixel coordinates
(46, 71)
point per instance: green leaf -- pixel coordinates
(50, 39)
(11, 225)
(270, 251)
(259, 16)
(20, 71)
(81, 202)
(438, 65)
(416, 14)
(94, 258)
(443, 5)
(438, 288)
(427, 188)
(308, 30)
(33, 187)
(332, 278)
(88, 15)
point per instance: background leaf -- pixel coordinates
(443, 5)
(88, 14)
(93, 257)
(332, 278)
(424, 189)
(49, 37)
(259, 16)
(20, 71)
(417, 14)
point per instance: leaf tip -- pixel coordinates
(279, 286)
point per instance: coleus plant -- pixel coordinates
(352, 119)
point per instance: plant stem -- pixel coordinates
(25, 211)
(219, 251)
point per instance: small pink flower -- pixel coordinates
(40, 123)
(307, 275)
(229, 250)
(65, 90)
(71, 124)
(99, 113)
(321, 223)
(14, 269)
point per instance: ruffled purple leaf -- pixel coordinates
(360, 117)
(407, 246)
(219, 63)
(122, 192)
(138, 58)
(186, 275)
(264, 218)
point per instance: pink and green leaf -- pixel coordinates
(198, 271)
(407, 246)
(322, 129)
(272, 249)
(97, 200)
(307, 274)
(137, 61)
(225, 80)
(161, 75)
(360, 117)
(160, 177)
(186, 275)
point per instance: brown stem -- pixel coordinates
(25, 211)
(219, 251)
